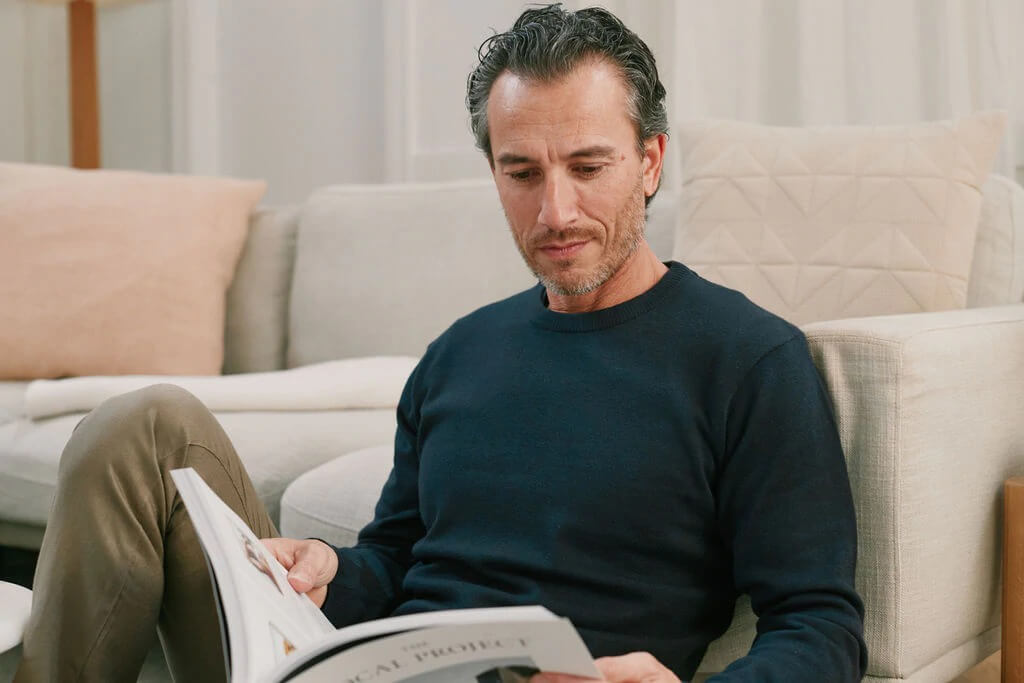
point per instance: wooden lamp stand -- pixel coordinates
(85, 108)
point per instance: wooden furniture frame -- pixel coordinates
(1013, 581)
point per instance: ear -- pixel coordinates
(654, 157)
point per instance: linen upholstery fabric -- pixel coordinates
(116, 272)
(335, 500)
(425, 254)
(997, 271)
(12, 400)
(931, 427)
(926, 468)
(830, 222)
(660, 230)
(257, 304)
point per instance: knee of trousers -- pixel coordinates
(137, 424)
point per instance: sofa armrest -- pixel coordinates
(928, 409)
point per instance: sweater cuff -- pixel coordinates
(353, 595)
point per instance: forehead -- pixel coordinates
(587, 103)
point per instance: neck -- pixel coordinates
(640, 272)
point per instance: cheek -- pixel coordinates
(521, 210)
(602, 200)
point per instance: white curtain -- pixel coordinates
(806, 62)
(369, 91)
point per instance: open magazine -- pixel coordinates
(271, 633)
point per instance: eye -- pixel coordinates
(520, 176)
(589, 171)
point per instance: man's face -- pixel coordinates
(569, 175)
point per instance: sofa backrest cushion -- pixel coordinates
(821, 223)
(255, 330)
(997, 271)
(660, 230)
(116, 272)
(384, 269)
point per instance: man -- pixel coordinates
(673, 441)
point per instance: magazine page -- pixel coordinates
(266, 620)
(490, 645)
(509, 652)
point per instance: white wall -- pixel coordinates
(301, 93)
(434, 45)
(305, 93)
(132, 47)
(319, 91)
(809, 62)
(12, 79)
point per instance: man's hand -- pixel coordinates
(636, 667)
(311, 564)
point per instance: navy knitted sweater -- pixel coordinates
(635, 469)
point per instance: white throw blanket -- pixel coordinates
(335, 385)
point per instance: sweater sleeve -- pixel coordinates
(786, 512)
(368, 584)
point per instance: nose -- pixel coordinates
(558, 205)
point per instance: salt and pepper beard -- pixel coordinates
(630, 224)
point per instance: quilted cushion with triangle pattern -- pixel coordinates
(821, 223)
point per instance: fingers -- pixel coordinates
(310, 563)
(559, 678)
(634, 667)
(283, 550)
(303, 574)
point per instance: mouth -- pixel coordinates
(564, 250)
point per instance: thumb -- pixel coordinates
(298, 577)
(302, 574)
(312, 567)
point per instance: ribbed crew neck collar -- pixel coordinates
(603, 318)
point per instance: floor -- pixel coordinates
(986, 672)
(17, 565)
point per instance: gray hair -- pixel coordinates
(546, 43)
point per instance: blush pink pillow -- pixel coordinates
(116, 272)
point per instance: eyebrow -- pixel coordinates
(509, 159)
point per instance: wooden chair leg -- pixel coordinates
(1013, 581)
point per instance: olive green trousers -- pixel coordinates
(120, 562)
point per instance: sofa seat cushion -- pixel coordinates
(276, 447)
(337, 499)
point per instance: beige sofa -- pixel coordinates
(928, 404)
